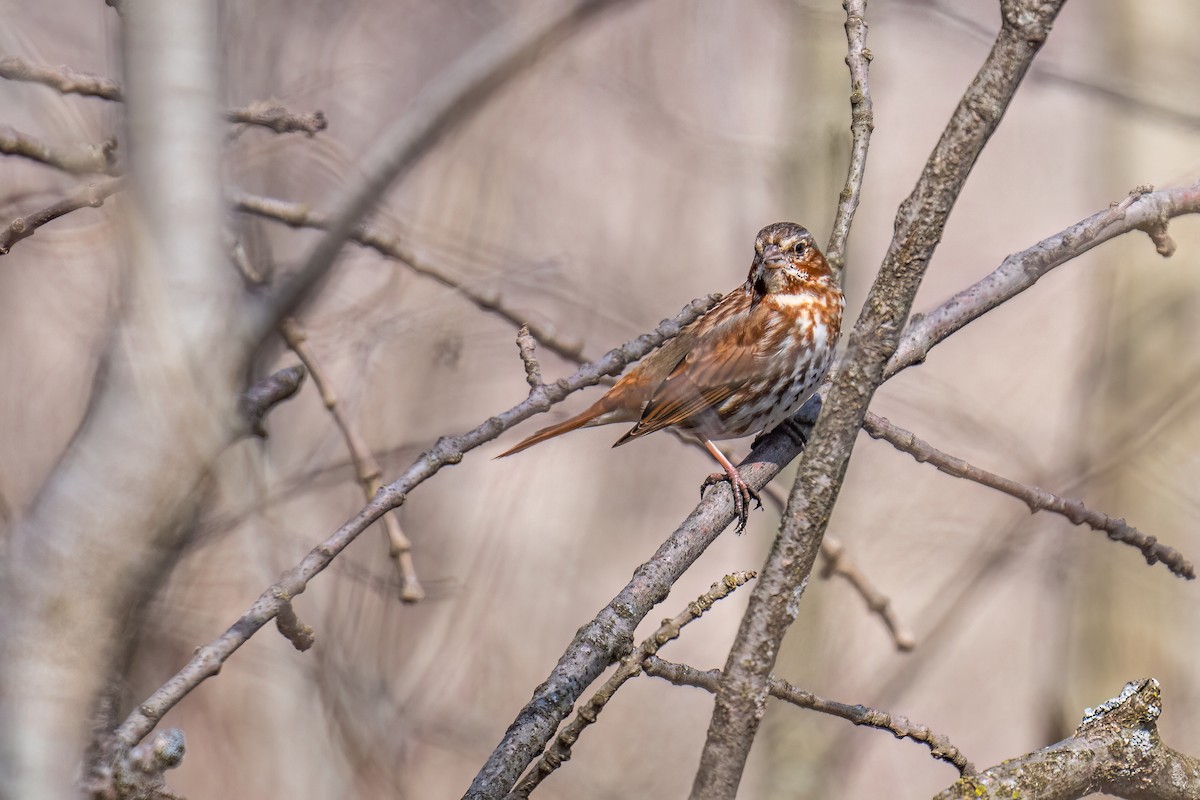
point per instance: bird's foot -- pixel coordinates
(742, 494)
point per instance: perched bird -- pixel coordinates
(744, 367)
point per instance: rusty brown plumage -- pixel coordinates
(744, 367)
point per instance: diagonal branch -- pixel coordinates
(919, 224)
(91, 195)
(366, 468)
(1143, 209)
(447, 451)
(1037, 499)
(630, 667)
(449, 100)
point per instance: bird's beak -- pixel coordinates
(772, 257)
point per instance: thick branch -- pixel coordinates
(919, 224)
(609, 636)
(1115, 751)
(630, 667)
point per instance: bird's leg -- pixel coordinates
(742, 493)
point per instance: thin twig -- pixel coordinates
(631, 665)
(1037, 499)
(90, 195)
(366, 468)
(448, 450)
(862, 122)
(298, 215)
(939, 746)
(837, 562)
(76, 159)
(273, 116)
(267, 113)
(62, 79)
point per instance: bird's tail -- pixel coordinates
(554, 430)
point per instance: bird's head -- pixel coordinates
(787, 260)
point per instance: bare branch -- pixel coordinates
(631, 665)
(919, 224)
(900, 727)
(270, 114)
(62, 79)
(609, 636)
(91, 195)
(450, 99)
(448, 450)
(1141, 210)
(367, 469)
(390, 245)
(862, 122)
(1037, 499)
(75, 159)
(267, 114)
(1115, 751)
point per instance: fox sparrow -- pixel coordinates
(745, 366)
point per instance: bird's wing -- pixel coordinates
(719, 363)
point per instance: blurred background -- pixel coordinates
(623, 175)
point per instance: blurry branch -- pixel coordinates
(1037, 499)
(91, 195)
(1143, 209)
(272, 115)
(608, 637)
(630, 667)
(939, 746)
(267, 114)
(75, 159)
(862, 122)
(838, 562)
(1116, 751)
(62, 79)
(298, 215)
(451, 98)
(448, 450)
(919, 224)
(263, 396)
(365, 466)
(1122, 98)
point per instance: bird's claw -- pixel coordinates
(742, 494)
